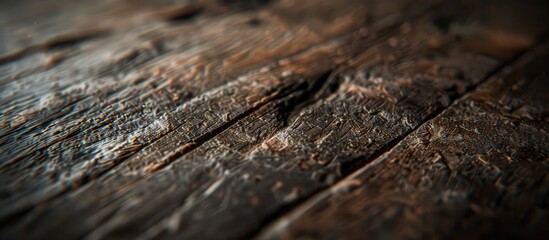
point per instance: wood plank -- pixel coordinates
(457, 176)
(90, 148)
(211, 179)
(74, 118)
(174, 129)
(154, 164)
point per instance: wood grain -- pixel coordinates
(457, 176)
(272, 119)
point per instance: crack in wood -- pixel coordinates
(278, 220)
(306, 91)
(312, 89)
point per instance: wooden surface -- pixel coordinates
(239, 119)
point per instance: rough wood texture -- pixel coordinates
(217, 118)
(478, 169)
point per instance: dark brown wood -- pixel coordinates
(209, 119)
(479, 169)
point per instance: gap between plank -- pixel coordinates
(389, 27)
(382, 27)
(278, 221)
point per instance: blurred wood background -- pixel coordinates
(274, 119)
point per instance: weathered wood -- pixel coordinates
(88, 152)
(88, 119)
(457, 176)
(216, 117)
